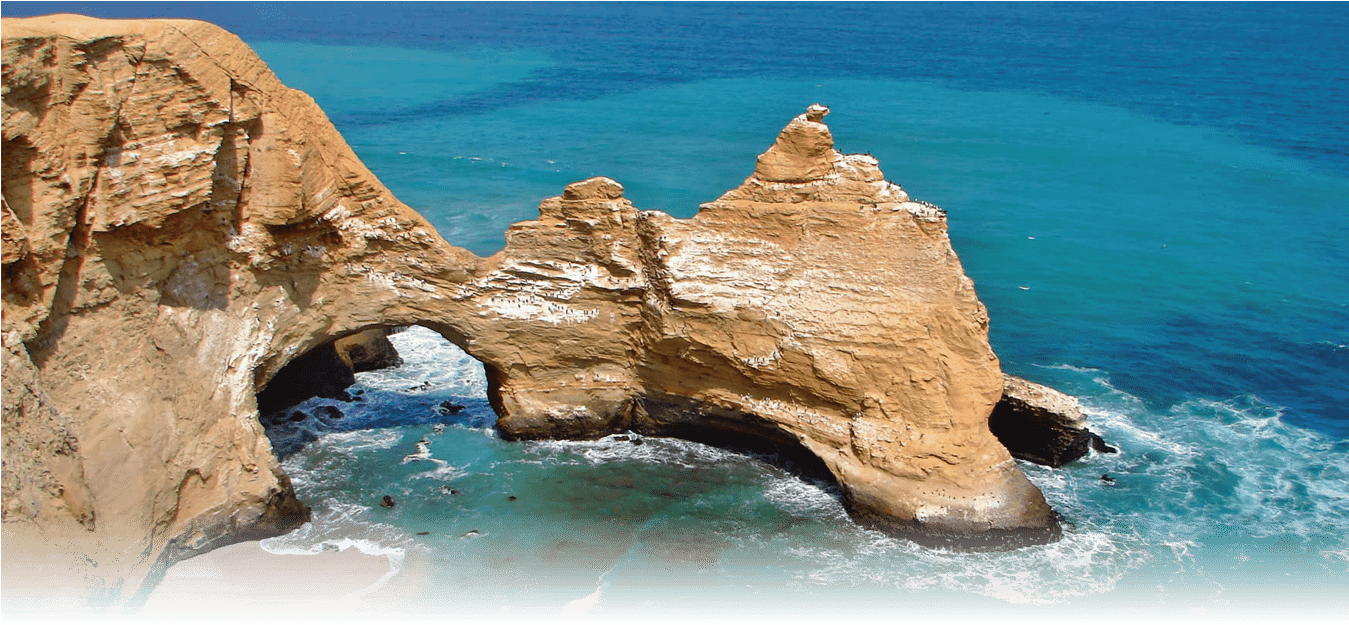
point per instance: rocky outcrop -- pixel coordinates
(179, 226)
(368, 350)
(825, 310)
(1041, 425)
(327, 370)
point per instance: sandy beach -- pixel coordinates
(244, 577)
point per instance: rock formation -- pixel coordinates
(178, 226)
(368, 350)
(327, 370)
(1039, 424)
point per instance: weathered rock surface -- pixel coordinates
(368, 350)
(178, 226)
(1039, 424)
(327, 370)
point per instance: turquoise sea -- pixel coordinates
(1153, 201)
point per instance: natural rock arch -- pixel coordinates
(223, 227)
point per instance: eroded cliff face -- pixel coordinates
(178, 225)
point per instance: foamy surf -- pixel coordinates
(430, 364)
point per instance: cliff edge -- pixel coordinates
(178, 225)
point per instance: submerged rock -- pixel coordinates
(1099, 445)
(329, 413)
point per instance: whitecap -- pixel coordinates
(625, 448)
(431, 364)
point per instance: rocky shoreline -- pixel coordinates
(180, 228)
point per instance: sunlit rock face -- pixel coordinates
(813, 305)
(178, 225)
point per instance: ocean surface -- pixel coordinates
(1152, 199)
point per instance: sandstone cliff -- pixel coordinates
(178, 225)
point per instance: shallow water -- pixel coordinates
(1150, 198)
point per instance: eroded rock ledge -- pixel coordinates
(1041, 425)
(178, 225)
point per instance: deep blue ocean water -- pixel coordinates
(1151, 199)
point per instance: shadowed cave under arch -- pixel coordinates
(306, 397)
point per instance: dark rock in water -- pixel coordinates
(297, 416)
(1107, 479)
(449, 408)
(621, 437)
(511, 498)
(273, 419)
(387, 502)
(328, 413)
(320, 372)
(368, 350)
(1099, 444)
(1039, 424)
(423, 533)
(638, 441)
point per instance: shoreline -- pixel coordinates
(244, 574)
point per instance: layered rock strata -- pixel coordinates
(178, 226)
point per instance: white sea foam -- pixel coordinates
(394, 555)
(423, 452)
(443, 472)
(798, 496)
(1287, 479)
(613, 448)
(360, 440)
(430, 364)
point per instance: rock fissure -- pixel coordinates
(814, 309)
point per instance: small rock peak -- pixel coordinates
(598, 188)
(803, 152)
(816, 112)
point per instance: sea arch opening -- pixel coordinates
(423, 433)
(374, 377)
